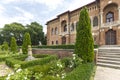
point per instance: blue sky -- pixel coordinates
(41, 11)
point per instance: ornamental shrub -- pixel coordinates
(13, 45)
(5, 46)
(26, 42)
(84, 46)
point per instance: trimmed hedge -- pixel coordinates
(59, 46)
(24, 64)
(82, 72)
(3, 58)
(42, 61)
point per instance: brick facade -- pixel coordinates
(105, 22)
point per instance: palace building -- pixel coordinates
(105, 23)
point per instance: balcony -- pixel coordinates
(63, 33)
(110, 24)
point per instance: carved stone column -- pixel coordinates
(101, 18)
(119, 13)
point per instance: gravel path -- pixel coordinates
(104, 73)
(4, 70)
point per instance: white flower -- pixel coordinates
(73, 58)
(19, 70)
(73, 55)
(8, 78)
(12, 73)
(25, 78)
(63, 77)
(9, 75)
(57, 64)
(61, 65)
(57, 75)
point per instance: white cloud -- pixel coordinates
(8, 1)
(23, 17)
(52, 4)
(24, 13)
(78, 3)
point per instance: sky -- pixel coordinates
(41, 11)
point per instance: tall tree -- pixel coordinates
(13, 29)
(26, 42)
(13, 45)
(84, 46)
(36, 32)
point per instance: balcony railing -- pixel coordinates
(110, 24)
(64, 33)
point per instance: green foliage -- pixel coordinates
(3, 57)
(36, 32)
(42, 61)
(57, 46)
(26, 42)
(13, 29)
(17, 30)
(5, 46)
(48, 77)
(84, 46)
(13, 45)
(82, 72)
(24, 64)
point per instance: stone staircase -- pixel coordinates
(109, 56)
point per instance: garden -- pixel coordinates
(23, 65)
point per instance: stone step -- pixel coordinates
(109, 65)
(108, 61)
(106, 58)
(110, 46)
(109, 51)
(112, 54)
(109, 56)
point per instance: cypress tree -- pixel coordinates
(5, 46)
(84, 46)
(26, 42)
(13, 45)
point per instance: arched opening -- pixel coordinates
(52, 31)
(56, 30)
(109, 17)
(64, 26)
(110, 37)
(63, 40)
(72, 27)
(95, 21)
(110, 13)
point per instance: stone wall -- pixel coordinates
(59, 52)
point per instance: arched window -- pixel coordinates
(72, 27)
(109, 17)
(56, 30)
(65, 28)
(95, 21)
(63, 40)
(56, 41)
(52, 31)
(52, 42)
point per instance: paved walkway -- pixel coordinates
(4, 70)
(104, 73)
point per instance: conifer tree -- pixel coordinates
(13, 45)
(26, 42)
(84, 46)
(5, 46)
